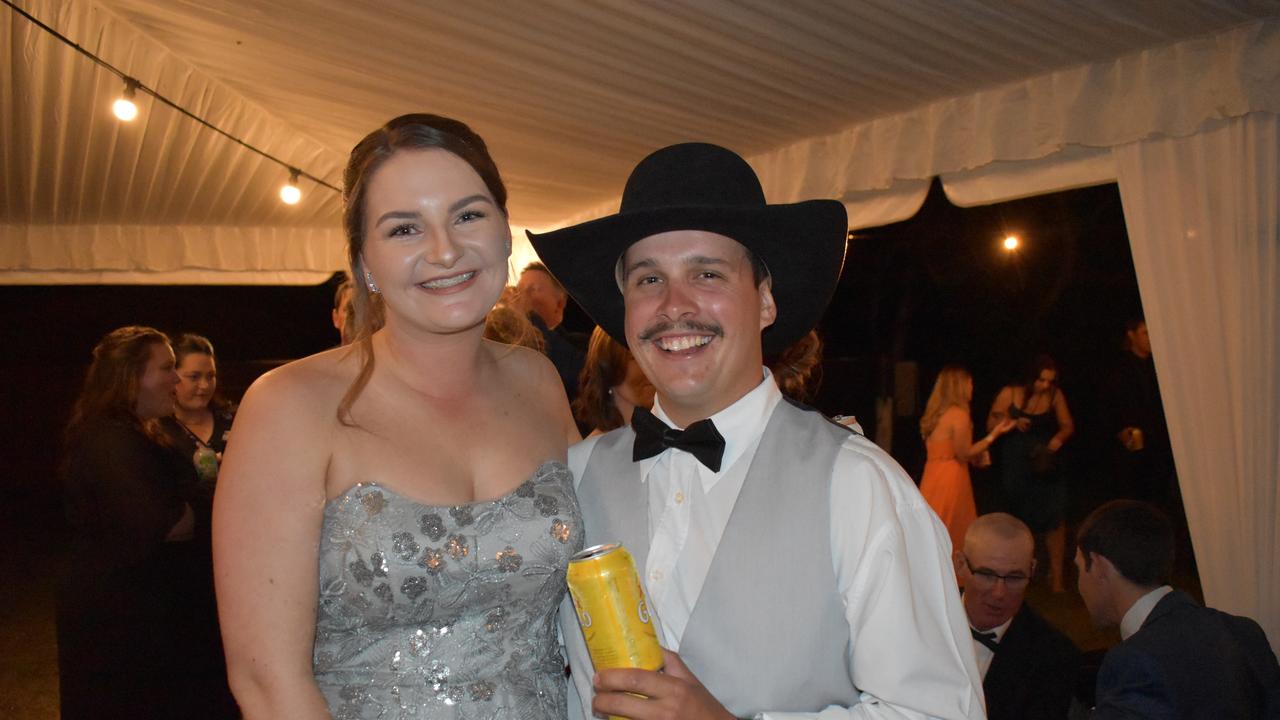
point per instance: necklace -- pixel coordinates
(205, 458)
(191, 434)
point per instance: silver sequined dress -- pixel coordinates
(445, 612)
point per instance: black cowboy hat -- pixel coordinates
(696, 186)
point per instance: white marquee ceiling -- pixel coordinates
(568, 93)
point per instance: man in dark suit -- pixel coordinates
(1028, 667)
(540, 295)
(1176, 658)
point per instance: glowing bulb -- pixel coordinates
(124, 108)
(1011, 243)
(289, 192)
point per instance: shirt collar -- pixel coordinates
(741, 424)
(1138, 613)
(999, 630)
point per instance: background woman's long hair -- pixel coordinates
(798, 370)
(950, 389)
(605, 368)
(112, 381)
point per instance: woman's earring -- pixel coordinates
(368, 278)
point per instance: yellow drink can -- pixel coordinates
(612, 610)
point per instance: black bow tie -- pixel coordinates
(986, 638)
(700, 439)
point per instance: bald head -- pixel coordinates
(1001, 528)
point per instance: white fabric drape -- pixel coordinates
(1202, 215)
(1166, 91)
(144, 254)
(1074, 167)
(1043, 134)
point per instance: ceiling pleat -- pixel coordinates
(568, 93)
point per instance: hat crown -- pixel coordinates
(692, 175)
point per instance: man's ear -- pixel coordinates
(958, 559)
(1100, 567)
(768, 310)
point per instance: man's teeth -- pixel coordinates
(449, 281)
(686, 342)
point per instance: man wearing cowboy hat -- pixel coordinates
(793, 567)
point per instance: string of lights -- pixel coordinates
(126, 110)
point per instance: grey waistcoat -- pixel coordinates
(768, 630)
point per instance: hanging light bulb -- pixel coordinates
(290, 194)
(124, 108)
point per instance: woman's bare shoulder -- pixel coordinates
(521, 364)
(316, 380)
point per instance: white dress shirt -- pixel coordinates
(1138, 612)
(983, 654)
(910, 645)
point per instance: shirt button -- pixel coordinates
(679, 497)
(656, 575)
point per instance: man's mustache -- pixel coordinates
(681, 326)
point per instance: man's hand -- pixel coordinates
(673, 693)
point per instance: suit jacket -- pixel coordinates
(1032, 676)
(1188, 662)
(566, 350)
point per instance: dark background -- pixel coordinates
(940, 289)
(935, 289)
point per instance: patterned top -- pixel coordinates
(445, 612)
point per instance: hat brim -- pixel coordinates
(802, 244)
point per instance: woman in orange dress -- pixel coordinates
(948, 437)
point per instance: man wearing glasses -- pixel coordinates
(1028, 667)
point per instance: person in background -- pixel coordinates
(947, 430)
(201, 420)
(1144, 463)
(798, 372)
(342, 310)
(507, 325)
(543, 298)
(611, 386)
(394, 519)
(137, 634)
(798, 369)
(1176, 660)
(542, 294)
(1028, 667)
(1031, 469)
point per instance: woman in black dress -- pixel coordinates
(136, 630)
(200, 424)
(1030, 460)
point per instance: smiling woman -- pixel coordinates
(409, 488)
(200, 424)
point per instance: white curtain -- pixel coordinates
(1202, 214)
(145, 254)
(1169, 91)
(1073, 167)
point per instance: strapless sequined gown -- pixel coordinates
(445, 612)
